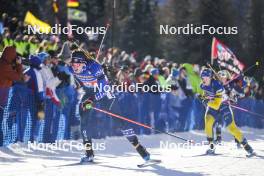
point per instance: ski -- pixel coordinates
(201, 155)
(149, 163)
(254, 155)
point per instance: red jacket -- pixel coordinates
(9, 71)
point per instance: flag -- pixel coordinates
(78, 15)
(225, 57)
(33, 21)
(55, 6)
(72, 3)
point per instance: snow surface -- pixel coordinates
(119, 158)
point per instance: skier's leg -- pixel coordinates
(219, 132)
(113, 106)
(87, 140)
(209, 123)
(85, 132)
(237, 143)
(132, 138)
(234, 130)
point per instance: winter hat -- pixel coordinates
(148, 68)
(174, 72)
(78, 57)
(147, 58)
(206, 73)
(35, 61)
(154, 71)
(138, 72)
(43, 56)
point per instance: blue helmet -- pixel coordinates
(206, 73)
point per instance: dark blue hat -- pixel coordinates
(78, 57)
(35, 61)
(206, 73)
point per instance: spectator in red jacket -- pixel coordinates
(10, 67)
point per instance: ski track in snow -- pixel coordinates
(119, 158)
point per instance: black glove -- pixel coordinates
(203, 99)
(87, 104)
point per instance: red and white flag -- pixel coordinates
(225, 57)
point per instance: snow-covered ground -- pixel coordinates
(115, 156)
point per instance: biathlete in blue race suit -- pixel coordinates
(89, 74)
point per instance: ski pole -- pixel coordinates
(140, 124)
(87, 53)
(249, 68)
(239, 108)
(216, 74)
(101, 44)
(246, 110)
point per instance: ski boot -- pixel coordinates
(211, 150)
(218, 140)
(89, 154)
(248, 148)
(87, 159)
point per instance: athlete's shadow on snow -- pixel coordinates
(226, 156)
(241, 157)
(59, 155)
(159, 170)
(5, 161)
(168, 172)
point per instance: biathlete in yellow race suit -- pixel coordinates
(213, 92)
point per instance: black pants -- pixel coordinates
(111, 105)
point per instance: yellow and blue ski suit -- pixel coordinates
(217, 108)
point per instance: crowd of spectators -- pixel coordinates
(41, 63)
(125, 67)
